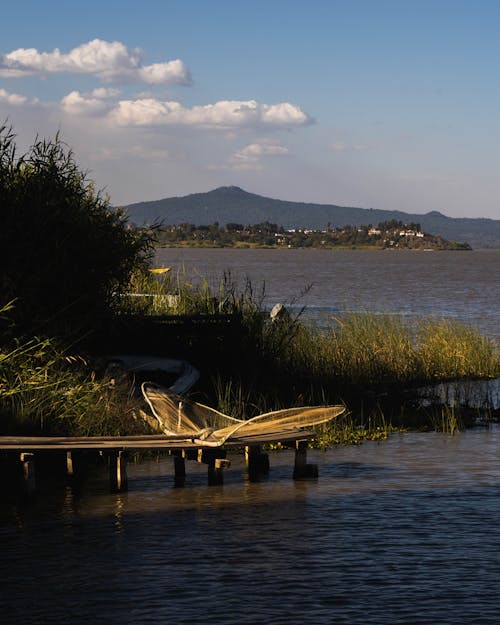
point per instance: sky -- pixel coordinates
(390, 104)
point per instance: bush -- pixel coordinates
(64, 252)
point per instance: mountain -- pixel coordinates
(234, 205)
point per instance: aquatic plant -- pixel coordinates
(449, 349)
(372, 361)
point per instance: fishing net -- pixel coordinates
(180, 416)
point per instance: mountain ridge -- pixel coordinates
(232, 204)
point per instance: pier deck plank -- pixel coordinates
(70, 443)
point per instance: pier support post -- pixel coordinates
(215, 458)
(302, 470)
(216, 471)
(118, 471)
(28, 472)
(70, 469)
(179, 468)
(256, 461)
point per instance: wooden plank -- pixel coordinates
(31, 443)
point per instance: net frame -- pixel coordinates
(179, 416)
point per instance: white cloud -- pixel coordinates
(255, 150)
(110, 61)
(249, 157)
(77, 104)
(12, 98)
(222, 114)
(102, 92)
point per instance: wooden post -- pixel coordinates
(179, 469)
(118, 471)
(216, 471)
(215, 458)
(257, 463)
(70, 469)
(302, 470)
(28, 472)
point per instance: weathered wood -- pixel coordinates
(75, 451)
(303, 470)
(256, 461)
(179, 469)
(154, 441)
(216, 471)
(70, 469)
(28, 471)
(215, 458)
(118, 471)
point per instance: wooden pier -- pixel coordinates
(19, 455)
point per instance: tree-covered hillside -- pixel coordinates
(234, 205)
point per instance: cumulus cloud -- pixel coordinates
(249, 157)
(12, 98)
(110, 61)
(222, 114)
(76, 103)
(102, 92)
(255, 150)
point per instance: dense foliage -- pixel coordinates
(63, 251)
(388, 235)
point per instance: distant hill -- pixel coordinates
(234, 205)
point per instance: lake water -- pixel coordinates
(401, 532)
(455, 285)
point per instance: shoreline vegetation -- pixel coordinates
(388, 235)
(69, 265)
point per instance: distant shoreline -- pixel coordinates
(371, 248)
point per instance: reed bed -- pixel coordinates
(374, 363)
(43, 390)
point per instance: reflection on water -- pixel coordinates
(476, 394)
(405, 531)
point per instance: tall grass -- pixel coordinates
(451, 349)
(373, 363)
(361, 355)
(45, 391)
(172, 293)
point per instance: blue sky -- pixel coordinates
(383, 103)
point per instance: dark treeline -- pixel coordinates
(389, 234)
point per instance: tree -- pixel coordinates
(234, 227)
(64, 252)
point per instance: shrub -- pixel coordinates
(64, 252)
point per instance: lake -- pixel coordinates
(402, 532)
(454, 285)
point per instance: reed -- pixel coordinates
(373, 363)
(372, 348)
(370, 361)
(172, 293)
(451, 350)
(43, 390)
